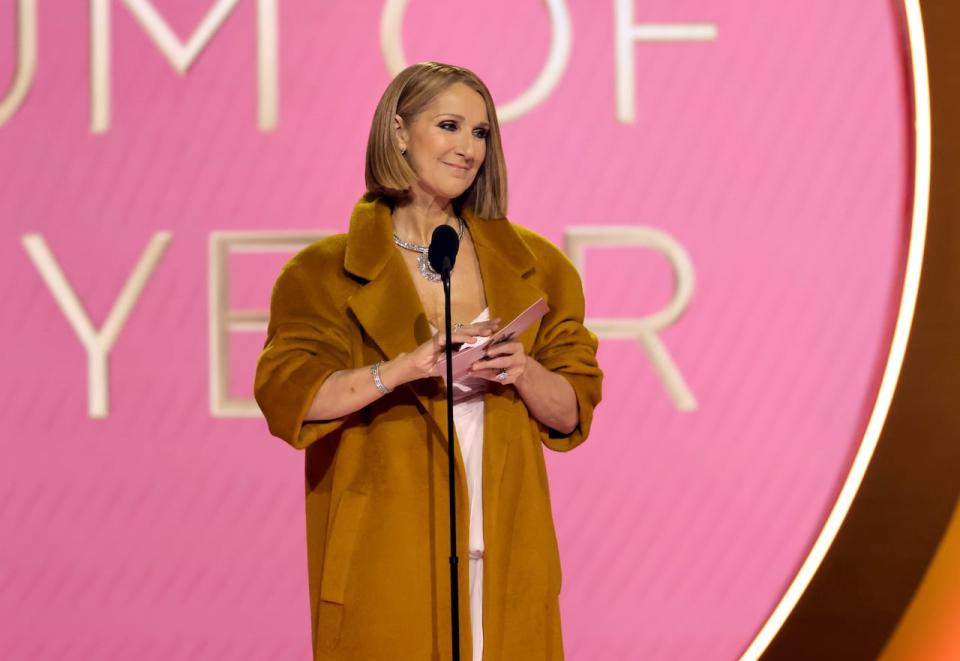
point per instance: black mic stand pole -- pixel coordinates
(454, 561)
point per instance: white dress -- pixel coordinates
(468, 420)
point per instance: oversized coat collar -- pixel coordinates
(388, 306)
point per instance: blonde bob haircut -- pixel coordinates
(390, 175)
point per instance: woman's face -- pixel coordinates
(447, 142)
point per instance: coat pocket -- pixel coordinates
(338, 557)
(338, 554)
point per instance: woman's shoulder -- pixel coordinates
(535, 241)
(547, 254)
(325, 255)
(317, 270)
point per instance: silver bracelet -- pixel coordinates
(375, 371)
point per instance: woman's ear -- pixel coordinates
(400, 131)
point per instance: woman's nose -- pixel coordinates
(465, 146)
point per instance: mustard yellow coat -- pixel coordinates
(376, 480)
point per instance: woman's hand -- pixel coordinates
(549, 396)
(346, 391)
(505, 363)
(422, 361)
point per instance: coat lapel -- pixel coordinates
(505, 262)
(387, 306)
(505, 266)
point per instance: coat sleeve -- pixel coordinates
(565, 346)
(307, 341)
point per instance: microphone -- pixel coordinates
(444, 245)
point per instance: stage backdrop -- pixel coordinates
(731, 178)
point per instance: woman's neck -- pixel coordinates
(414, 220)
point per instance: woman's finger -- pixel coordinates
(502, 362)
(488, 374)
(480, 328)
(469, 332)
(506, 348)
(494, 376)
(458, 338)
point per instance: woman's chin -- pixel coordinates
(445, 192)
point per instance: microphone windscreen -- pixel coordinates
(444, 244)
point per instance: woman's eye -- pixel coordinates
(481, 133)
(448, 126)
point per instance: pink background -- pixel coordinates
(777, 155)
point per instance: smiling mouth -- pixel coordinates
(462, 168)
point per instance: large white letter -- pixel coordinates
(97, 342)
(181, 55)
(644, 329)
(561, 36)
(625, 32)
(26, 59)
(224, 321)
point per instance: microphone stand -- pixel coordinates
(454, 561)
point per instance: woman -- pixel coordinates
(349, 373)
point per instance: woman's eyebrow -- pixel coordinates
(456, 116)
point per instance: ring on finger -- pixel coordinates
(502, 375)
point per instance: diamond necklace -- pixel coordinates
(423, 262)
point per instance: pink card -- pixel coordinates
(468, 354)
